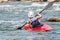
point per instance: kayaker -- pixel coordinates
(34, 20)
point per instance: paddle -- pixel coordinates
(46, 7)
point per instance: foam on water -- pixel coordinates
(31, 5)
(36, 4)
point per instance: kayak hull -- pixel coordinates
(43, 27)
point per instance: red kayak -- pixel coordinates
(43, 27)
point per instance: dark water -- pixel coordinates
(12, 14)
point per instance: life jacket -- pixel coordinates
(35, 24)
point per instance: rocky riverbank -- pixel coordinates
(30, 0)
(53, 19)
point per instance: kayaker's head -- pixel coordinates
(31, 14)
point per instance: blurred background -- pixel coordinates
(13, 13)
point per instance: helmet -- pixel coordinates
(31, 14)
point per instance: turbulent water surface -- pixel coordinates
(12, 14)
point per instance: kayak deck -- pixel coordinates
(43, 27)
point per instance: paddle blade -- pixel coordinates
(47, 6)
(19, 28)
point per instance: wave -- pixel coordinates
(32, 6)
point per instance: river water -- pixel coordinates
(12, 14)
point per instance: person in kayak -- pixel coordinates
(34, 20)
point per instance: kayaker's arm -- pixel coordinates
(38, 16)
